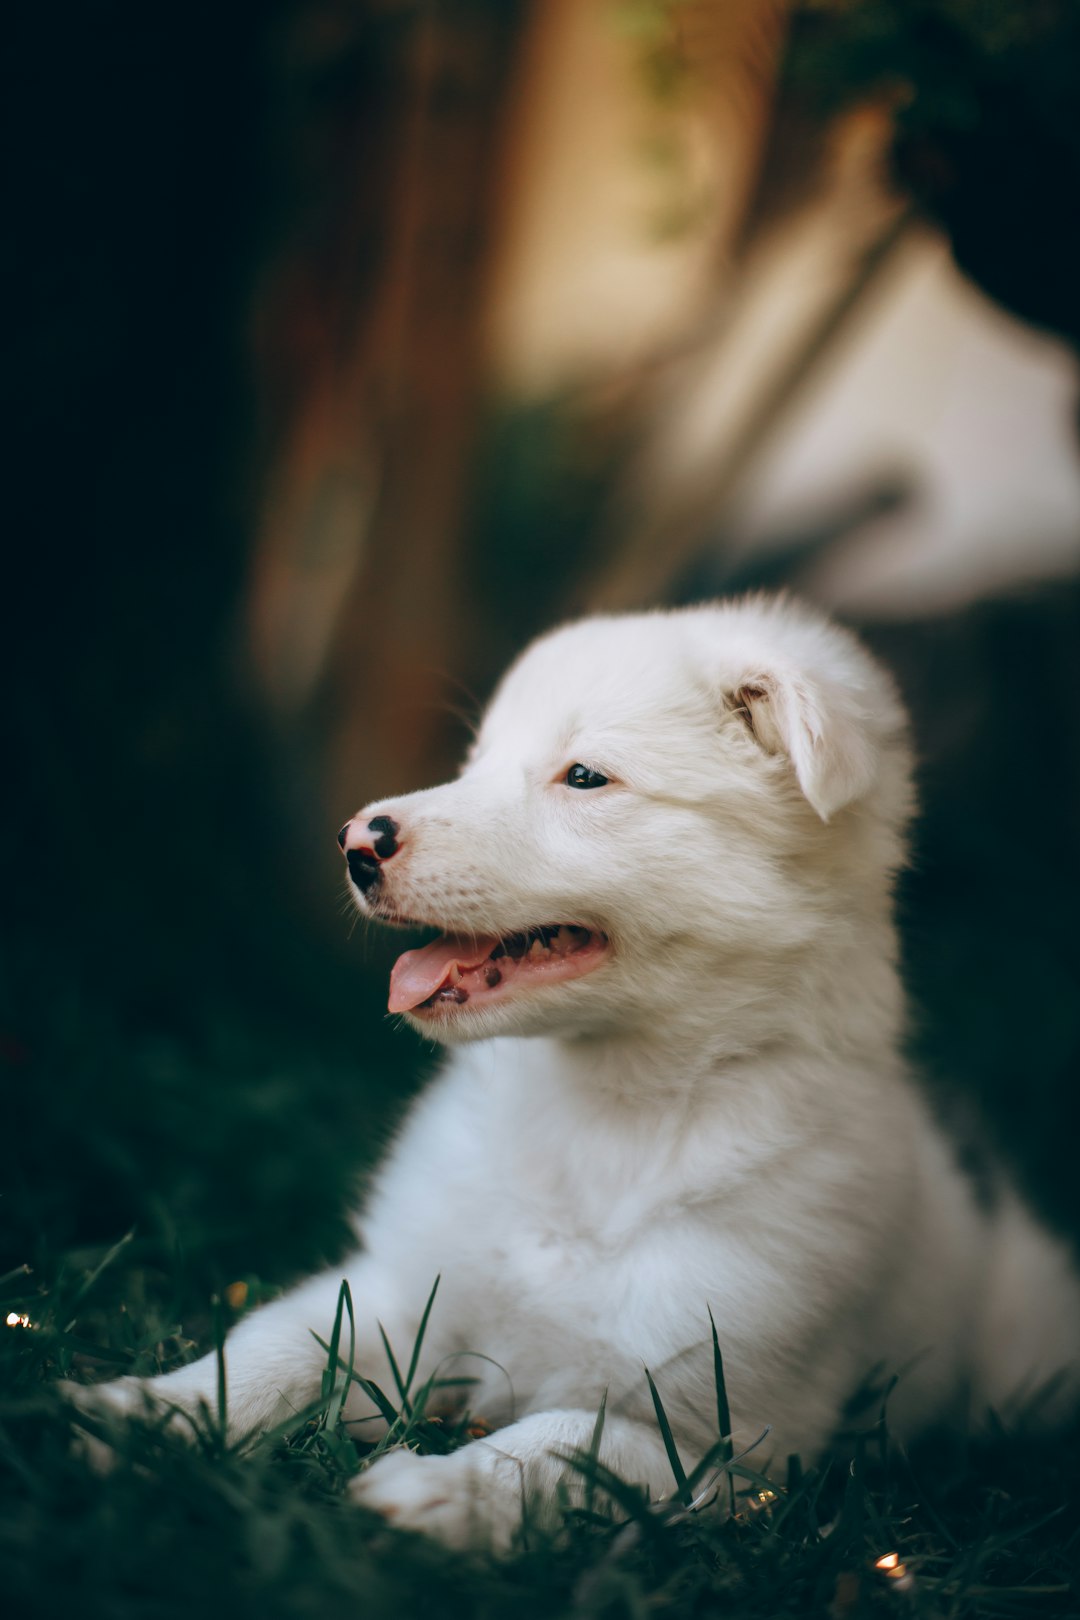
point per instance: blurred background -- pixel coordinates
(352, 342)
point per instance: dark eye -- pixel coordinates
(580, 776)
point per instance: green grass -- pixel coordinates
(266, 1529)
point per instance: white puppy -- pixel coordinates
(668, 970)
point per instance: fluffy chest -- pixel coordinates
(555, 1223)
(556, 1300)
(530, 1237)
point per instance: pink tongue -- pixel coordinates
(416, 975)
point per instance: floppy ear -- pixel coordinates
(821, 730)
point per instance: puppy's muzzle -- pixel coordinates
(366, 846)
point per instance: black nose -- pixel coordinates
(363, 869)
(386, 843)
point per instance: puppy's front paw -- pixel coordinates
(105, 1406)
(101, 1412)
(471, 1498)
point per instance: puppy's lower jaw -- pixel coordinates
(457, 971)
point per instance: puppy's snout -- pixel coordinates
(366, 845)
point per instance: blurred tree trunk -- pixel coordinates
(398, 631)
(373, 336)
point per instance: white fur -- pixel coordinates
(719, 1116)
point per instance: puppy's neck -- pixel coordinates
(837, 1001)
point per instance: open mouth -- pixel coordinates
(457, 970)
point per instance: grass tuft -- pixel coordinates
(977, 1533)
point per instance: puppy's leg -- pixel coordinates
(273, 1363)
(480, 1495)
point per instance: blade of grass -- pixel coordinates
(714, 1458)
(219, 1356)
(631, 1498)
(850, 1529)
(668, 1438)
(796, 1502)
(723, 1409)
(329, 1376)
(337, 1402)
(423, 1394)
(374, 1393)
(368, 1385)
(418, 1343)
(594, 1450)
(395, 1372)
(92, 1277)
(281, 1431)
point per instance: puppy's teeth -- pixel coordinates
(537, 948)
(492, 977)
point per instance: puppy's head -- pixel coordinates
(650, 801)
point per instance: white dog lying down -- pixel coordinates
(668, 970)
